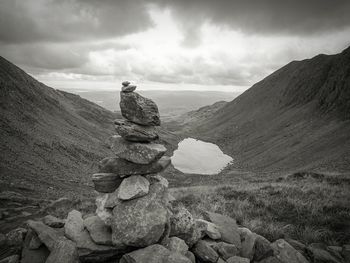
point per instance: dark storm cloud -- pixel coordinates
(70, 20)
(295, 17)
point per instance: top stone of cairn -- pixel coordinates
(136, 108)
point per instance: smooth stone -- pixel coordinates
(100, 233)
(154, 254)
(139, 109)
(106, 182)
(53, 221)
(175, 244)
(205, 252)
(140, 153)
(286, 253)
(128, 88)
(134, 132)
(125, 168)
(227, 226)
(248, 243)
(262, 248)
(142, 221)
(210, 229)
(133, 187)
(125, 83)
(236, 259)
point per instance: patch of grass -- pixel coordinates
(308, 210)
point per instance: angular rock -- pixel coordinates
(154, 254)
(34, 251)
(227, 226)
(237, 259)
(16, 237)
(59, 207)
(125, 83)
(100, 233)
(133, 187)
(106, 182)
(53, 221)
(139, 109)
(262, 248)
(103, 212)
(129, 88)
(248, 243)
(156, 178)
(175, 244)
(226, 250)
(205, 252)
(34, 242)
(125, 168)
(286, 253)
(134, 132)
(210, 229)
(140, 222)
(140, 153)
(46, 234)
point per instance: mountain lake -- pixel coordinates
(199, 157)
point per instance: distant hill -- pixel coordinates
(50, 139)
(296, 118)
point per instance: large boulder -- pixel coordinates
(284, 252)
(100, 233)
(134, 132)
(140, 222)
(205, 252)
(142, 153)
(139, 109)
(133, 187)
(125, 168)
(248, 243)
(227, 227)
(106, 182)
(154, 254)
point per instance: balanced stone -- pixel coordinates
(141, 153)
(139, 109)
(133, 187)
(134, 132)
(125, 168)
(106, 182)
(129, 88)
(125, 83)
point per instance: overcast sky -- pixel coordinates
(167, 44)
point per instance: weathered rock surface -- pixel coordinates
(100, 233)
(104, 213)
(262, 248)
(134, 132)
(154, 254)
(286, 253)
(226, 250)
(128, 88)
(141, 153)
(139, 109)
(248, 243)
(53, 221)
(106, 182)
(140, 222)
(237, 259)
(227, 226)
(125, 168)
(175, 244)
(205, 252)
(133, 187)
(209, 229)
(16, 237)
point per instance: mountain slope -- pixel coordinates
(50, 139)
(297, 117)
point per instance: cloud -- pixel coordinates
(70, 20)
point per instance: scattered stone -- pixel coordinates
(129, 88)
(134, 132)
(175, 244)
(227, 226)
(262, 248)
(53, 221)
(248, 243)
(210, 229)
(140, 153)
(99, 231)
(106, 182)
(205, 252)
(226, 250)
(154, 254)
(10, 259)
(139, 109)
(16, 237)
(125, 168)
(125, 83)
(286, 253)
(140, 222)
(133, 187)
(237, 259)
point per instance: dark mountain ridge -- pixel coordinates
(296, 118)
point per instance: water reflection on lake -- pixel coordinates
(198, 157)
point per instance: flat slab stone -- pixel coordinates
(141, 153)
(106, 182)
(134, 132)
(139, 109)
(125, 168)
(133, 187)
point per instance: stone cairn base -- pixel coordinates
(137, 220)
